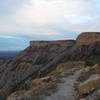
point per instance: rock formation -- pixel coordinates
(39, 59)
(35, 61)
(57, 42)
(88, 38)
(88, 85)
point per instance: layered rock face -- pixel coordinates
(39, 59)
(89, 83)
(59, 42)
(34, 61)
(88, 38)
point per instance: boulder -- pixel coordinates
(89, 85)
(96, 68)
(43, 81)
(64, 67)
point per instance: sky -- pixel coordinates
(24, 20)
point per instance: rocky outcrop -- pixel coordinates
(43, 81)
(39, 59)
(88, 38)
(45, 84)
(95, 68)
(89, 85)
(59, 42)
(33, 62)
(41, 85)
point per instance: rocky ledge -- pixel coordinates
(57, 42)
(89, 83)
(40, 59)
(87, 38)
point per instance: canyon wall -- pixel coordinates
(57, 42)
(87, 38)
(41, 58)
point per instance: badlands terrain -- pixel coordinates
(54, 70)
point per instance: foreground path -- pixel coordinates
(65, 88)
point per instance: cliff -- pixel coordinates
(88, 38)
(57, 42)
(39, 59)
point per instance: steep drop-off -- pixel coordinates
(39, 59)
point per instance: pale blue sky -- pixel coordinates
(25, 20)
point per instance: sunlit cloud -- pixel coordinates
(45, 17)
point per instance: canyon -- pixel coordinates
(43, 57)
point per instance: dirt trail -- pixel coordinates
(65, 89)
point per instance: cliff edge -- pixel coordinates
(87, 38)
(41, 58)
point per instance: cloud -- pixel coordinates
(50, 17)
(44, 12)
